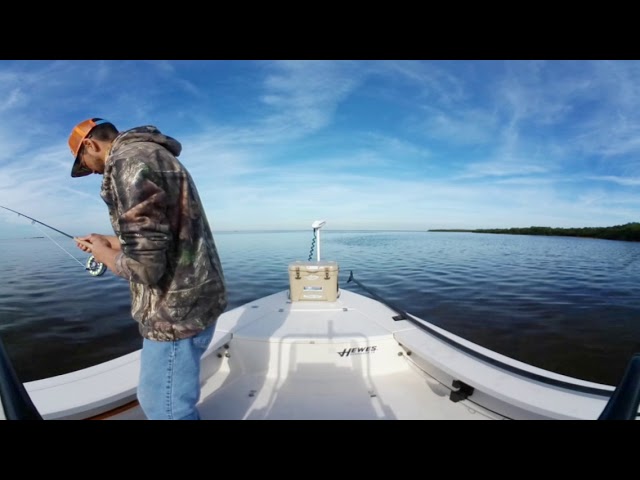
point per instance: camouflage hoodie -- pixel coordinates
(168, 251)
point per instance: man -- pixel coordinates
(163, 245)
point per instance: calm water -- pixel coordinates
(569, 305)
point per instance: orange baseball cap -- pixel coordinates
(78, 134)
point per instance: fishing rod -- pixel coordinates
(95, 268)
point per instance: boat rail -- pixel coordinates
(623, 402)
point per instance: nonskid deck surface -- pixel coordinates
(323, 360)
(319, 392)
(401, 396)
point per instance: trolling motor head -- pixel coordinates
(318, 224)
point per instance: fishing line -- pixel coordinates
(95, 268)
(61, 248)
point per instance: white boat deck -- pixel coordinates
(323, 360)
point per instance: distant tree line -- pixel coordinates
(629, 232)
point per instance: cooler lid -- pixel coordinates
(311, 266)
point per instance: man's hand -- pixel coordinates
(101, 247)
(85, 243)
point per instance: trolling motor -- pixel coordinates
(317, 225)
(94, 268)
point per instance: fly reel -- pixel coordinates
(94, 268)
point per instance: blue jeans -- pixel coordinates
(169, 387)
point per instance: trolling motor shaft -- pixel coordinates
(95, 268)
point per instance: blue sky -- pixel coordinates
(393, 144)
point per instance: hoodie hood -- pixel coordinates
(147, 133)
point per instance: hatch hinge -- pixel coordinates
(463, 391)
